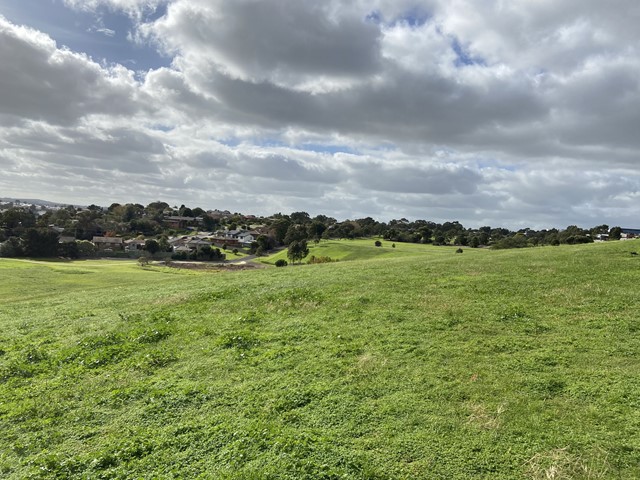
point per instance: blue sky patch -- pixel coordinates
(463, 56)
(102, 36)
(332, 149)
(415, 17)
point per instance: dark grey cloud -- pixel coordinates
(282, 42)
(433, 180)
(516, 113)
(122, 149)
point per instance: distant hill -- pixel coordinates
(36, 201)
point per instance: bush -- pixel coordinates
(144, 261)
(517, 241)
(459, 250)
(576, 239)
(11, 248)
(315, 259)
(378, 243)
(281, 263)
(86, 248)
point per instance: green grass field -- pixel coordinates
(346, 250)
(411, 364)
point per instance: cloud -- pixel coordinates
(135, 8)
(291, 44)
(44, 82)
(516, 113)
(106, 31)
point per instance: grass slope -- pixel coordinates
(345, 250)
(509, 364)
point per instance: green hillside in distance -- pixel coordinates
(487, 364)
(365, 249)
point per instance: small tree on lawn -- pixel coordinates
(615, 233)
(151, 246)
(297, 250)
(378, 243)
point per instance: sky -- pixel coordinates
(514, 114)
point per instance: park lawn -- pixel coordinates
(235, 256)
(25, 279)
(365, 249)
(496, 365)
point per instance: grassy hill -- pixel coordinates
(491, 364)
(346, 250)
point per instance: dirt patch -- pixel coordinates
(231, 267)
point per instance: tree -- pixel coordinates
(425, 234)
(316, 229)
(600, 229)
(462, 239)
(17, 219)
(209, 223)
(86, 248)
(40, 243)
(615, 233)
(297, 250)
(300, 217)
(11, 248)
(378, 243)
(439, 240)
(151, 246)
(265, 242)
(295, 233)
(279, 228)
(68, 250)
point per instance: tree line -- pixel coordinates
(23, 233)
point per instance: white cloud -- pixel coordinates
(134, 8)
(43, 82)
(516, 113)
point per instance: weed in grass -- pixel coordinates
(562, 464)
(481, 417)
(239, 341)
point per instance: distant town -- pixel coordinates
(37, 228)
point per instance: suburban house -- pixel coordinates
(629, 233)
(181, 222)
(219, 214)
(233, 234)
(134, 245)
(108, 243)
(188, 243)
(243, 236)
(195, 243)
(246, 238)
(181, 249)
